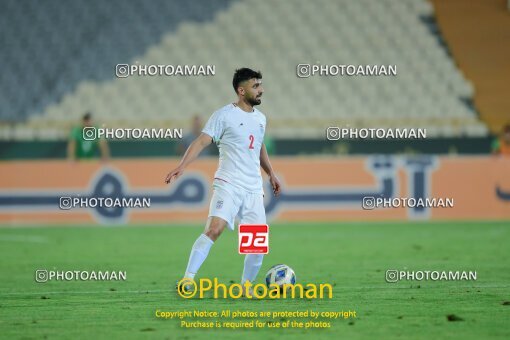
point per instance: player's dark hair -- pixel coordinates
(244, 74)
(87, 116)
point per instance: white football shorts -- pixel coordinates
(229, 202)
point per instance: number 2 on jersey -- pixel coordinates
(252, 139)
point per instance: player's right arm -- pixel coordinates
(189, 156)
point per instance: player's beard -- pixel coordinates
(254, 101)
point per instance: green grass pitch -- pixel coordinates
(351, 256)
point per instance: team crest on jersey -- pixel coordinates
(219, 204)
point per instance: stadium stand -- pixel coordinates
(481, 51)
(52, 77)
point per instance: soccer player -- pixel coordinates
(238, 130)
(81, 148)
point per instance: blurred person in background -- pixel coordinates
(196, 130)
(80, 148)
(501, 144)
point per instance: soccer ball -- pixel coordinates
(280, 274)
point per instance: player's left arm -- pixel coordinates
(266, 165)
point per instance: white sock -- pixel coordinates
(252, 264)
(198, 254)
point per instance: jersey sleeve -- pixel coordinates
(215, 126)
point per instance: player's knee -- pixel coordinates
(213, 233)
(214, 227)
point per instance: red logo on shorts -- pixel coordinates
(253, 239)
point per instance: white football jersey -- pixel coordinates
(239, 136)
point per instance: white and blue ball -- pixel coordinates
(280, 274)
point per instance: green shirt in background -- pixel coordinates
(85, 149)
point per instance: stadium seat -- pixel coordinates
(72, 79)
